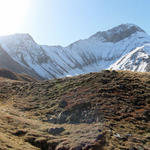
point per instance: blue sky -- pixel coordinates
(61, 22)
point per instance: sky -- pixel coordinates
(61, 22)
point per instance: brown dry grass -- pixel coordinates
(122, 98)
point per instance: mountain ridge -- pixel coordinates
(98, 52)
(136, 60)
(118, 33)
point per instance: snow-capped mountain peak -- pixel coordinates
(118, 33)
(95, 53)
(136, 60)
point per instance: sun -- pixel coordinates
(12, 14)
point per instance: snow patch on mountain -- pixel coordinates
(136, 60)
(90, 55)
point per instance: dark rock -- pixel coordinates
(62, 148)
(20, 132)
(56, 131)
(77, 148)
(99, 130)
(99, 137)
(63, 104)
(63, 116)
(51, 120)
(148, 138)
(147, 114)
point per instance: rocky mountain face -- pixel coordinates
(136, 60)
(100, 51)
(7, 62)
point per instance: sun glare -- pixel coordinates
(12, 14)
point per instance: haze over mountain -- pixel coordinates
(125, 47)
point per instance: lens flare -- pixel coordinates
(12, 14)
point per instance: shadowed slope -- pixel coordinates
(8, 63)
(4, 73)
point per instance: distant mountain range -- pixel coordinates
(125, 47)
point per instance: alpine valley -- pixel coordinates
(105, 105)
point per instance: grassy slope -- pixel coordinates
(118, 103)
